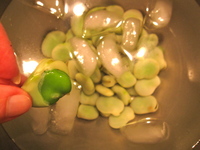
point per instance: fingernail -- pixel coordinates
(17, 105)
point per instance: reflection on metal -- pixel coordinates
(29, 66)
(79, 9)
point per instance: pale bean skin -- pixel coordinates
(108, 81)
(86, 83)
(96, 76)
(104, 90)
(146, 69)
(109, 105)
(87, 112)
(127, 80)
(122, 94)
(126, 115)
(144, 105)
(89, 99)
(72, 67)
(51, 40)
(146, 87)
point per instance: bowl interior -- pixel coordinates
(178, 95)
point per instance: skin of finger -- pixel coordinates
(10, 82)
(6, 92)
(8, 68)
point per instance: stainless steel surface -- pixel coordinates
(178, 95)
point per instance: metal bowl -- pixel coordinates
(178, 95)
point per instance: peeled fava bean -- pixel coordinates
(117, 122)
(146, 69)
(109, 105)
(51, 40)
(144, 105)
(146, 87)
(87, 112)
(48, 83)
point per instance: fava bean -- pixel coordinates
(126, 115)
(146, 69)
(146, 87)
(157, 54)
(108, 81)
(109, 105)
(89, 99)
(122, 94)
(132, 91)
(87, 112)
(144, 105)
(86, 83)
(61, 52)
(104, 90)
(69, 35)
(50, 41)
(127, 79)
(148, 41)
(72, 67)
(96, 76)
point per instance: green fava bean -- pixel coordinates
(54, 85)
(146, 87)
(109, 105)
(144, 105)
(43, 84)
(146, 69)
(51, 40)
(117, 122)
(87, 112)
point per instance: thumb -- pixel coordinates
(13, 102)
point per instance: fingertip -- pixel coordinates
(17, 105)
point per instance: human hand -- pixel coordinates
(13, 100)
